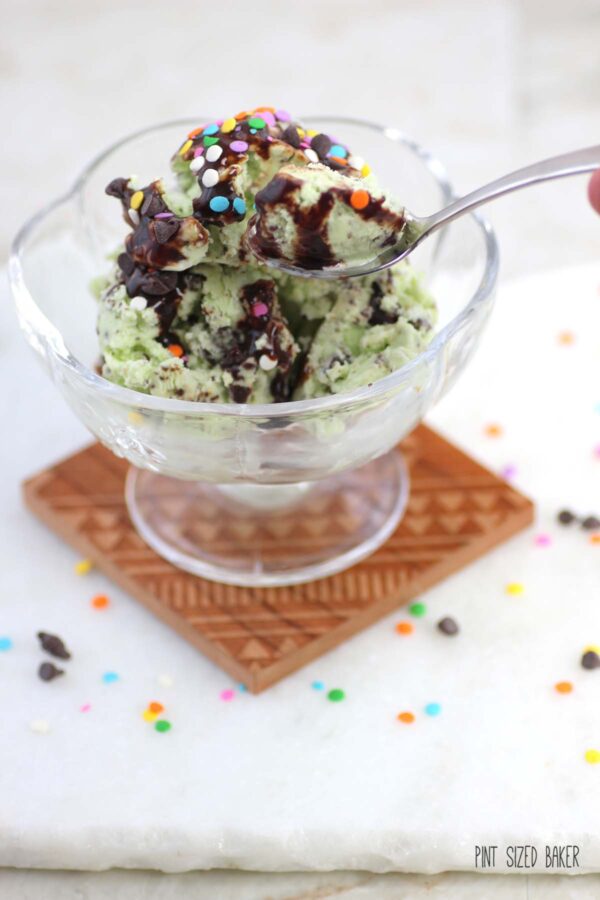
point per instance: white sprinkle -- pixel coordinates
(357, 162)
(213, 153)
(311, 155)
(139, 304)
(40, 726)
(165, 681)
(134, 215)
(267, 363)
(196, 164)
(210, 178)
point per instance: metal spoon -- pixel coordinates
(418, 228)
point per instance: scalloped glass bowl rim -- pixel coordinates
(331, 402)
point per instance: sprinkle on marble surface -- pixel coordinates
(563, 687)
(515, 588)
(336, 695)
(566, 338)
(165, 680)
(509, 471)
(242, 688)
(318, 685)
(227, 695)
(592, 756)
(39, 726)
(85, 707)
(407, 717)
(149, 716)
(433, 709)
(595, 539)
(417, 609)
(542, 540)
(84, 566)
(162, 725)
(5, 643)
(593, 647)
(110, 677)
(597, 451)
(405, 628)
(100, 601)
(493, 430)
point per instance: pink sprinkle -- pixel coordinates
(164, 215)
(238, 146)
(269, 138)
(543, 540)
(508, 472)
(227, 695)
(220, 122)
(305, 144)
(267, 117)
(259, 309)
(283, 115)
(198, 151)
(85, 708)
(597, 451)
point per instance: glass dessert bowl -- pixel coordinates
(253, 494)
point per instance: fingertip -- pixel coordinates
(594, 190)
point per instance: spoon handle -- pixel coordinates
(574, 163)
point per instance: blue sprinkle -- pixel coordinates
(210, 129)
(253, 131)
(433, 709)
(242, 687)
(239, 205)
(5, 643)
(318, 685)
(597, 407)
(338, 150)
(109, 677)
(219, 204)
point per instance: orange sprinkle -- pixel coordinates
(563, 687)
(406, 717)
(270, 109)
(155, 707)
(240, 115)
(175, 349)
(405, 627)
(566, 338)
(595, 538)
(339, 160)
(195, 132)
(100, 601)
(359, 199)
(493, 430)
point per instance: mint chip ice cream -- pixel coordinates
(190, 312)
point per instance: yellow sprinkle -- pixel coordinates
(311, 132)
(592, 648)
(135, 418)
(515, 588)
(592, 756)
(228, 125)
(136, 200)
(301, 131)
(185, 148)
(149, 716)
(366, 170)
(84, 566)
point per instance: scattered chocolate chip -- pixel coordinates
(590, 523)
(125, 263)
(152, 205)
(117, 188)
(53, 645)
(48, 671)
(565, 517)
(291, 136)
(448, 625)
(321, 144)
(165, 229)
(590, 660)
(158, 283)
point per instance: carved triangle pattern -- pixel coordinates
(457, 510)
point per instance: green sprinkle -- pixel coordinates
(336, 695)
(162, 725)
(417, 609)
(256, 122)
(209, 141)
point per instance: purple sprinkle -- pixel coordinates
(238, 146)
(198, 151)
(283, 115)
(509, 472)
(164, 215)
(267, 117)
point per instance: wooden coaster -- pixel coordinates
(457, 511)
